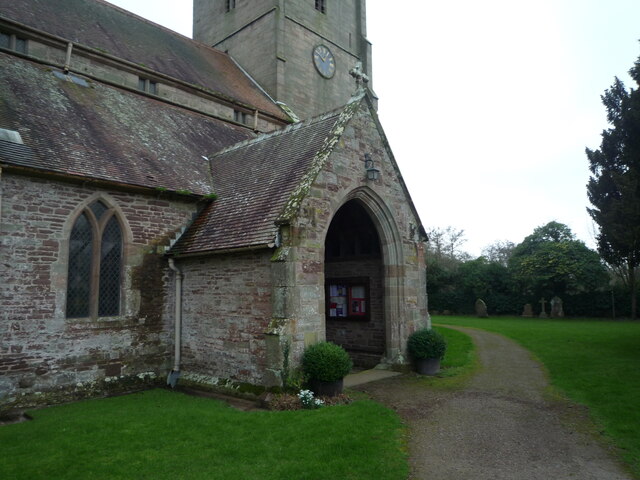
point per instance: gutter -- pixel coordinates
(174, 375)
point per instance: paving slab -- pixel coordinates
(366, 376)
(502, 424)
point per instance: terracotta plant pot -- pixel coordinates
(326, 389)
(427, 366)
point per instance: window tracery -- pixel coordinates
(94, 281)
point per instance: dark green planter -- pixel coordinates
(427, 366)
(326, 389)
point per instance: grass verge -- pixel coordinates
(594, 362)
(161, 434)
(459, 362)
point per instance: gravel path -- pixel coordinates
(501, 425)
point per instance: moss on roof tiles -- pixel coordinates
(112, 30)
(108, 134)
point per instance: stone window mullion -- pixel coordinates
(95, 267)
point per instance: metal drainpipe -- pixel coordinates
(172, 379)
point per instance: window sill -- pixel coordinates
(105, 322)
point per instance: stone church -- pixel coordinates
(195, 210)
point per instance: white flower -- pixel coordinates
(307, 400)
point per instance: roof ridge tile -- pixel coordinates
(290, 128)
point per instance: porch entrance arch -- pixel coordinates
(362, 311)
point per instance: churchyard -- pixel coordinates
(162, 434)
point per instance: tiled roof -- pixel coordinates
(105, 133)
(102, 26)
(262, 182)
(254, 182)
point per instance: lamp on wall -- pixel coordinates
(372, 172)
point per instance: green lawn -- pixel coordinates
(459, 361)
(161, 434)
(594, 362)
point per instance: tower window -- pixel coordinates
(13, 42)
(321, 6)
(230, 5)
(95, 264)
(146, 85)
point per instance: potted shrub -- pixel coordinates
(426, 348)
(325, 365)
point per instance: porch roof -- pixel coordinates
(255, 181)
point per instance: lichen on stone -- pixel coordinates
(281, 254)
(299, 194)
(276, 326)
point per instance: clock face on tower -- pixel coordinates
(324, 61)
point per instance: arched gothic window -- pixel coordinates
(95, 264)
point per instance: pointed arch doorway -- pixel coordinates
(355, 285)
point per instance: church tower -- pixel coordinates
(299, 51)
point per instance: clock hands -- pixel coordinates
(324, 61)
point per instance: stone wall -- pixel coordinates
(274, 40)
(304, 89)
(253, 46)
(226, 312)
(41, 350)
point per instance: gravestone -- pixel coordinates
(481, 309)
(543, 313)
(556, 308)
(527, 312)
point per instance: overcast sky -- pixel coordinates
(489, 105)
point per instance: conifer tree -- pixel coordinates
(614, 184)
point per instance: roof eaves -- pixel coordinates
(100, 182)
(175, 252)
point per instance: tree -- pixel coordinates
(446, 244)
(614, 184)
(443, 257)
(552, 262)
(490, 281)
(499, 252)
